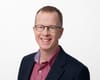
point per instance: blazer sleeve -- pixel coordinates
(83, 74)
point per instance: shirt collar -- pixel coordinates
(37, 57)
(51, 60)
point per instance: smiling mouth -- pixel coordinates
(46, 40)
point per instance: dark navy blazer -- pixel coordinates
(65, 67)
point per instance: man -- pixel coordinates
(50, 62)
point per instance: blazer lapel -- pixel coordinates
(58, 67)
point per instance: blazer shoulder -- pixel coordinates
(69, 60)
(75, 69)
(26, 66)
(74, 64)
(29, 56)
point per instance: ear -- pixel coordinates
(60, 32)
(33, 28)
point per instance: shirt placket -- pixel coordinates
(40, 71)
(39, 76)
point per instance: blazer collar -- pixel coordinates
(58, 66)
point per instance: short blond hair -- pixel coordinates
(52, 9)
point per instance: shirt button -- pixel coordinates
(40, 72)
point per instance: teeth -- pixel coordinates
(45, 40)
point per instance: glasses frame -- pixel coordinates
(50, 28)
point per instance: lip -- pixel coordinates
(45, 40)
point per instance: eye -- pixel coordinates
(39, 26)
(52, 27)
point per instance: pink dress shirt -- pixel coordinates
(40, 71)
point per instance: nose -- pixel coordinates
(46, 31)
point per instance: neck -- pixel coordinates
(47, 54)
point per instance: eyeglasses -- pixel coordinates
(51, 28)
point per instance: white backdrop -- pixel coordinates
(81, 37)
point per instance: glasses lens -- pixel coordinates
(51, 28)
(39, 27)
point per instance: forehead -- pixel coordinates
(47, 17)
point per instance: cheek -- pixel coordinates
(36, 36)
(56, 36)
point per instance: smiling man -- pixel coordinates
(50, 62)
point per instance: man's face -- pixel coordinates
(46, 39)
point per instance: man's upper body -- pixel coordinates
(65, 67)
(56, 64)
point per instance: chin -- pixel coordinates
(45, 47)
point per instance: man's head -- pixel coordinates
(48, 27)
(51, 9)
